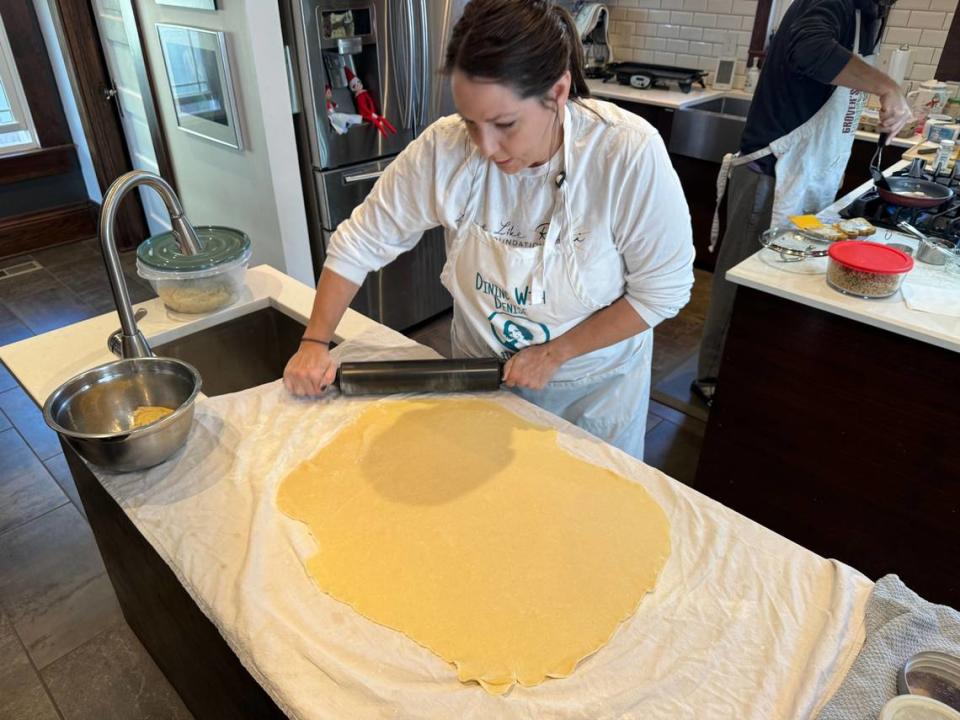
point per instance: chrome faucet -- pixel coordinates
(129, 340)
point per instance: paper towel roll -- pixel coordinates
(899, 64)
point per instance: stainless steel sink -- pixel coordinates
(710, 129)
(239, 353)
(737, 107)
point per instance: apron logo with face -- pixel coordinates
(516, 332)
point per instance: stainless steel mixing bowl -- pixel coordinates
(93, 412)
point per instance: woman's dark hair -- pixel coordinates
(524, 44)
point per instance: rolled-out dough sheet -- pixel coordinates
(472, 532)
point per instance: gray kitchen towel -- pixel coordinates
(899, 624)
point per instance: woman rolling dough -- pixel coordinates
(567, 234)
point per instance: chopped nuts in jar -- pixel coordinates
(866, 269)
(858, 282)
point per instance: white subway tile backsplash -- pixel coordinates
(922, 19)
(701, 48)
(898, 18)
(721, 7)
(933, 38)
(922, 55)
(901, 35)
(913, 4)
(695, 30)
(714, 36)
(923, 72)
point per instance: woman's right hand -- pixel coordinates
(310, 371)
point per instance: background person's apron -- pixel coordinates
(811, 159)
(507, 298)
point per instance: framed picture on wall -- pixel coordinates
(198, 73)
(192, 4)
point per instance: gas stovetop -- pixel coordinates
(942, 221)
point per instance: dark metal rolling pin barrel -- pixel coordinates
(419, 376)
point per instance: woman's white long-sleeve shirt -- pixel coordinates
(623, 190)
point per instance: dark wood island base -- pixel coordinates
(843, 437)
(183, 642)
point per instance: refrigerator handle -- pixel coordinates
(397, 60)
(411, 64)
(295, 104)
(425, 112)
(360, 177)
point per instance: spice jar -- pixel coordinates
(866, 269)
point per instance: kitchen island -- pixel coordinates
(742, 623)
(836, 419)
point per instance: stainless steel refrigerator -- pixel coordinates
(395, 47)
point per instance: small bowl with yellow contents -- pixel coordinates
(128, 414)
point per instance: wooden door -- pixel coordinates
(99, 105)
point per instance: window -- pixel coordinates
(16, 126)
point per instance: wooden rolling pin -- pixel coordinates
(431, 376)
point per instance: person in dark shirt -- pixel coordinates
(797, 139)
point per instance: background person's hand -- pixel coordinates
(310, 371)
(532, 367)
(895, 112)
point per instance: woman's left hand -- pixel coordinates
(533, 367)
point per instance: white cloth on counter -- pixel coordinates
(742, 623)
(623, 190)
(932, 290)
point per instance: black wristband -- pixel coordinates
(313, 340)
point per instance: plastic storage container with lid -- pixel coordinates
(198, 283)
(866, 269)
(915, 707)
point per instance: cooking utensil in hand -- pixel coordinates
(407, 376)
(878, 177)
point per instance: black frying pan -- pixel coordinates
(914, 192)
(906, 191)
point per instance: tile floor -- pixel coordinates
(65, 650)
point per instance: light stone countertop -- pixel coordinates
(889, 313)
(42, 363)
